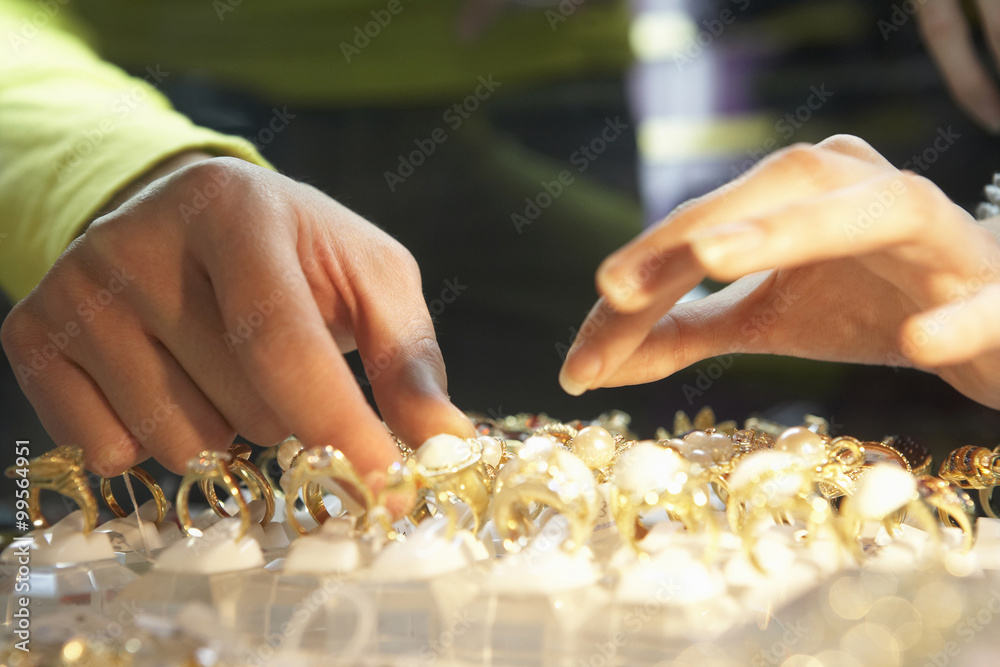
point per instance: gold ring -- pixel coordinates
(210, 467)
(552, 477)
(321, 463)
(452, 468)
(951, 502)
(60, 470)
(147, 480)
(263, 462)
(650, 476)
(251, 475)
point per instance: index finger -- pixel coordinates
(787, 176)
(289, 355)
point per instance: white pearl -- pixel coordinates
(645, 467)
(720, 446)
(443, 451)
(884, 488)
(595, 446)
(765, 463)
(535, 446)
(712, 447)
(491, 450)
(800, 441)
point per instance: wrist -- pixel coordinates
(161, 169)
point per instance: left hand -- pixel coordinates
(836, 255)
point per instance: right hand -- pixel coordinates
(221, 299)
(833, 254)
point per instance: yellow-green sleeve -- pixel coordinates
(73, 131)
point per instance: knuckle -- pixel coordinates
(17, 331)
(800, 156)
(850, 144)
(109, 238)
(803, 164)
(927, 203)
(400, 260)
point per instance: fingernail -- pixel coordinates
(587, 366)
(715, 246)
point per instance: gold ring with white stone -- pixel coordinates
(147, 480)
(60, 470)
(452, 469)
(648, 476)
(241, 467)
(552, 477)
(212, 468)
(308, 469)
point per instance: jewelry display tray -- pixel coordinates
(266, 617)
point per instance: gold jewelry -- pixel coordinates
(553, 477)
(650, 476)
(321, 463)
(240, 466)
(951, 502)
(560, 433)
(147, 480)
(452, 469)
(60, 470)
(210, 467)
(916, 455)
(263, 464)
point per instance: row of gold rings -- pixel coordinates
(972, 467)
(60, 470)
(147, 480)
